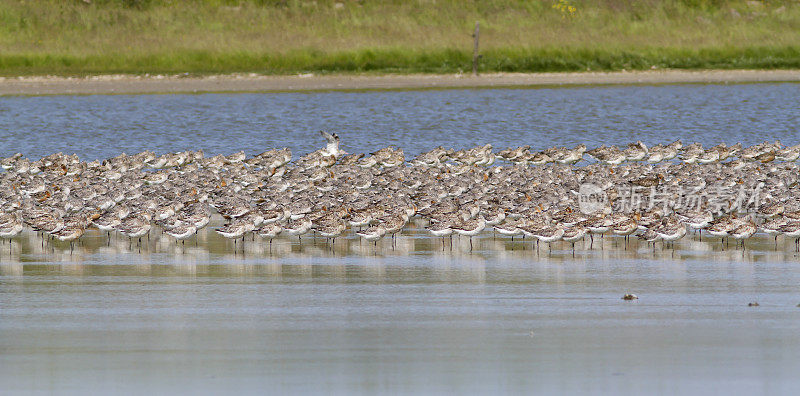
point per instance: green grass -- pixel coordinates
(70, 37)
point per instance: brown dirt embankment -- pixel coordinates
(128, 84)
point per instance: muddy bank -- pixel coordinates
(127, 84)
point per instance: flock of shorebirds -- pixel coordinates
(328, 192)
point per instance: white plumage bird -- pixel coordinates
(332, 148)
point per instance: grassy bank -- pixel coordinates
(67, 37)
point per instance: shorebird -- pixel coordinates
(275, 215)
(393, 223)
(332, 149)
(610, 156)
(495, 216)
(269, 230)
(372, 234)
(331, 230)
(440, 229)
(360, 218)
(788, 154)
(671, 230)
(709, 156)
(513, 155)
(792, 230)
(636, 151)
(625, 226)
(650, 236)
(198, 220)
(671, 150)
(771, 209)
(573, 234)
(107, 223)
(698, 220)
(235, 230)
(722, 227)
(9, 162)
(508, 228)
(597, 225)
(743, 231)
(470, 228)
(47, 223)
(297, 228)
(773, 227)
(572, 156)
(135, 227)
(692, 153)
(69, 234)
(547, 234)
(537, 159)
(656, 154)
(10, 227)
(182, 232)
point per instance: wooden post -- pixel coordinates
(475, 55)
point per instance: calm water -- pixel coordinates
(114, 317)
(102, 126)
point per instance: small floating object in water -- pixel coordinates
(629, 297)
(752, 304)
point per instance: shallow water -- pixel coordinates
(102, 126)
(304, 316)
